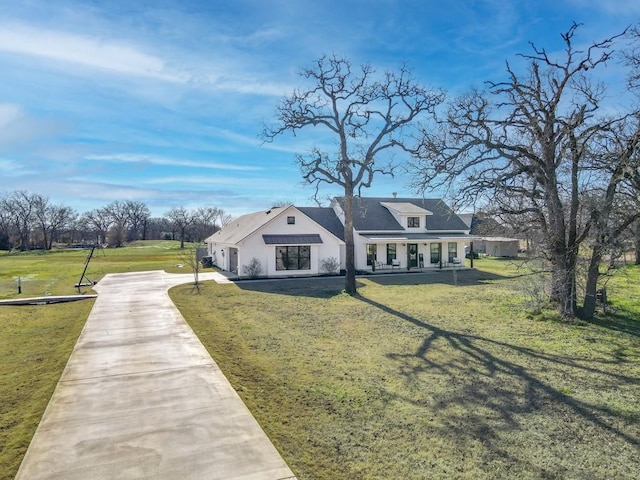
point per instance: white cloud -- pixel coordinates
(243, 182)
(158, 160)
(117, 57)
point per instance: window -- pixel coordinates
(453, 251)
(435, 252)
(293, 258)
(391, 253)
(372, 252)
(413, 222)
(291, 220)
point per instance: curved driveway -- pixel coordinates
(141, 398)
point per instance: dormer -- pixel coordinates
(411, 217)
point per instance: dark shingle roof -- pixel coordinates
(370, 215)
(325, 217)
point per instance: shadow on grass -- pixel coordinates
(315, 287)
(462, 277)
(619, 321)
(487, 391)
(326, 287)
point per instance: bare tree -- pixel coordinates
(156, 228)
(526, 146)
(206, 221)
(120, 215)
(366, 116)
(6, 226)
(139, 215)
(190, 257)
(19, 207)
(41, 216)
(97, 221)
(50, 218)
(181, 218)
(613, 206)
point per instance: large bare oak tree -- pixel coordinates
(366, 117)
(529, 146)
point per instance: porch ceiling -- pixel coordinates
(426, 237)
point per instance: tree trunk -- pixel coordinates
(593, 274)
(45, 238)
(350, 264)
(637, 243)
(563, 287)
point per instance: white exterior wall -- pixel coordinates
(253, 246)
(424, 248)
(220, 259)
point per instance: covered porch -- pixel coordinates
(410, 252)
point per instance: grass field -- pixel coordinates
(442, 375)
(56, 272)
(36, 341)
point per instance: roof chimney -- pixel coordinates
(395, 194)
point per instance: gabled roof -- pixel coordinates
(240, 228)
(406, 208)
(369, 214)
(243, 226)
(326, 218)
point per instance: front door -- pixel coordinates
(233, 260)
(412, 255)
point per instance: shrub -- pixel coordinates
(330, 265)
(253, 269)
(534, 289)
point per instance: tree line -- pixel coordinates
(33, 221)
(547, 148)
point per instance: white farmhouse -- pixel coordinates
(389, 233)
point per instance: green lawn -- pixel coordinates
(36, 341)
(421, 376)
(56, 272)
(444, 375)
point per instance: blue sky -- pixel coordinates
(162, 101)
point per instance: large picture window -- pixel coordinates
(293, 258)
(453, 251)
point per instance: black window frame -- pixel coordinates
(452, 252)
(392, 253)
(293, 257)
(435, 253)
(413, 222)
(291, 220)
(372, 253)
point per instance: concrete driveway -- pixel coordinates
(141, 398)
